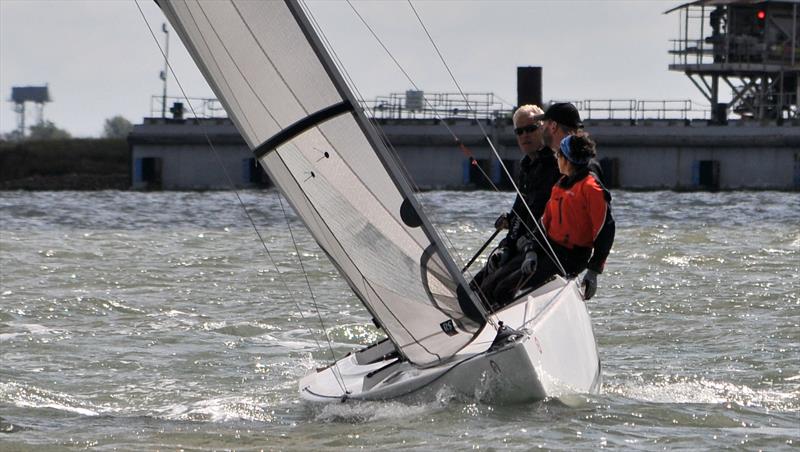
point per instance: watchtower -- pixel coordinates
(39, 95)
(750, 45)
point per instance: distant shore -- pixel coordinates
(71, 164)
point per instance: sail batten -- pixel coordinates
(302, 125)
(305, 127)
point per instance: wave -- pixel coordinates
(22, 395)
(702, 391)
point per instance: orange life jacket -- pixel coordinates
(574, 215)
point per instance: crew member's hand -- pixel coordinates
(528, 266)
(524, 244)
(497, 259)
(589, 284)
(501, 222)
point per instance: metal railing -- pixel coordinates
(664, 109)
(204, 108)
(635, 109)
(436, 106)
(478, 106)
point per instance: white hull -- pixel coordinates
(555, 357)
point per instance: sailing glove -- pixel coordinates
(529, 264)
(498, 258)
(589, 284)
(501, 222)
(524, 244)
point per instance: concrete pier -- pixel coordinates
(646, 154)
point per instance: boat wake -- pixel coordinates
(358, 412)
(367, 411)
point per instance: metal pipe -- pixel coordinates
(702, 31)
(794, 32)
(166, 71)
(686, 37)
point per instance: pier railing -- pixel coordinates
(200, 107)
(636, 109)
(423, 105)
(475, 106)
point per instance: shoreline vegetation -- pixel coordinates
(65, 164)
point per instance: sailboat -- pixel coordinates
(281, 88)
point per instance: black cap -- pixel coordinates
(563, 113)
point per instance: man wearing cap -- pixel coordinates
(538, 173)
(560, 120)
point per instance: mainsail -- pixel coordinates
(281, 89)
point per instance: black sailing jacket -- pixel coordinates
(536, 179)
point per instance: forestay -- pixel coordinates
(290, 104)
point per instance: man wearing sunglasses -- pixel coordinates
(538, 173)
(559, 121)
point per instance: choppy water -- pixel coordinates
(157, 321)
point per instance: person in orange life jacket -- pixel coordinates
(559, 121)
(538, 172)
(577, 221)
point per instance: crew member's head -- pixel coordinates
(528, 129)
(560, 119)
(574, 152)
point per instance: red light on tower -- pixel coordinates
(761, 14)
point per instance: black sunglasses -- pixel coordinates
(530, 129)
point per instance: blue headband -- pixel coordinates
(566, 152)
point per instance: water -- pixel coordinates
(157, 321)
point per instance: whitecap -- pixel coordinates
(24, 329)
(219, 409)
(680, 390)
(32, 397)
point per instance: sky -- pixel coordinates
(99, 59)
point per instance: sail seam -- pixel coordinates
(232, 93)
(272, 63)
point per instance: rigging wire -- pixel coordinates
(455, 137)
(491, 145)
(379, 131)
(337, 374)
(308, 283)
